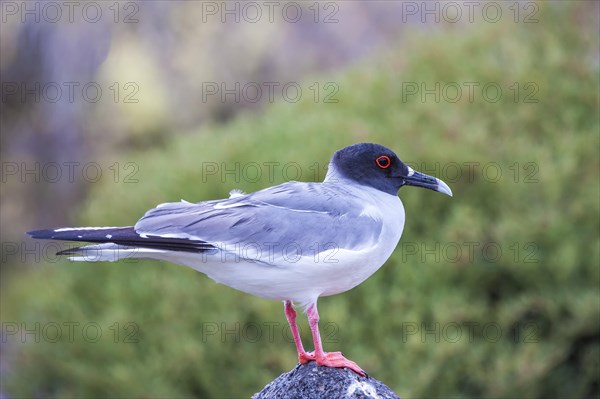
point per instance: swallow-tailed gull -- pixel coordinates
(294, 242)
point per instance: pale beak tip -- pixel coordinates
(443, 188)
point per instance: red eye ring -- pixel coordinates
(383, 162)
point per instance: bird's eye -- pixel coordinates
(383, 162)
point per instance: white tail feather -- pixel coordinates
(110, 252)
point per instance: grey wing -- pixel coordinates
(291, 219)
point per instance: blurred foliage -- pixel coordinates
(152, 74)
(541, 293)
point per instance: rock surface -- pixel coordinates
(309, 381)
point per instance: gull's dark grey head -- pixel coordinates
(376, 166)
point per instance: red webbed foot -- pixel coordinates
(306, 357)
(336, 359)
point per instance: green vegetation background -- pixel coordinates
(543, 296)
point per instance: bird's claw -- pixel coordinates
(336, 359)
(332, 359)
(306, 357)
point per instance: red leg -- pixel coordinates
(290, 314)
(329, 359)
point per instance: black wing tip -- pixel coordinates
(90, 234)
(69, 251)
(41, 234)
(124, 236)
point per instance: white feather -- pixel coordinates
(235, 193)
(84, 228)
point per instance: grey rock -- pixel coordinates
(309, 381)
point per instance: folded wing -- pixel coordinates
(287, 220)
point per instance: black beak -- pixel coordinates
(422, 180)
